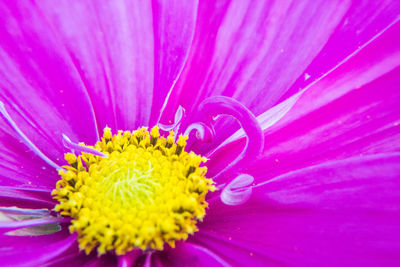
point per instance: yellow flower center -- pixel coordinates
(147, 192)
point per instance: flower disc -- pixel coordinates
(147, 192)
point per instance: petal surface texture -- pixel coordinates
(334, 213)
(321, 77)
(352, 110)
(255, 51)
(37, 250)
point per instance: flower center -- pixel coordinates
(147, 192)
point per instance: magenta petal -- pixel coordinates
(124, 50)
(351, 111)
(241, 253)
(224, 61)
(337, 212)
(174, 26)
(25, 198)
(255, 51)
(74, 257)
(363, 20)
(365, 121)
(105, 260)
(190, 254)
(34, 251)
(379, 57)
(21, 167)
(129, 259)
(111, 46)
(356, 124)
(39, 82)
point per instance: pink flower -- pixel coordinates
(311, 176)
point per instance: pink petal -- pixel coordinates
(39, 83)
(34, 251)
(74, 257)
(255, 51)
(174, 26)
(25, 198)
(105, 260)
(350, 122)
(23, 163)
(122, 51)
(111, 47)
(82, 50)
(21, 167)
(336, 213)
(351, 111)
(363, 20)
(189, 254)
(129, 258)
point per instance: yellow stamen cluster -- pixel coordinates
(147, 192)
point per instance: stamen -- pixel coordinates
(238, 191)
(25, 139)
(81, 148)
(179, 114)
(203, 132)
(221, 105)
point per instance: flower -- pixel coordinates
(309, 178)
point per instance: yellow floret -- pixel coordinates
(148, 192)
